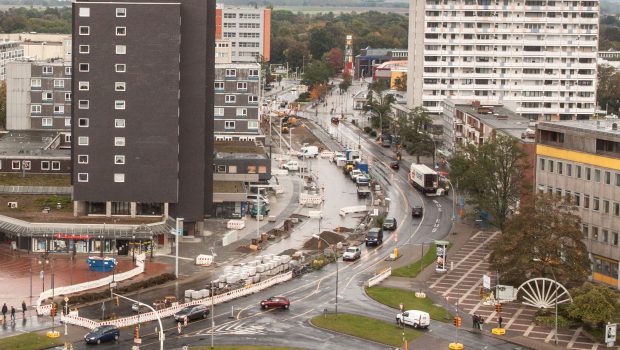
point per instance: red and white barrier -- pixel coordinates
(379, 277)
(235, 224)
(204, 260)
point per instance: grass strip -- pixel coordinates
(366, 328)
(413, 269)
(29, 341)
(392, 297)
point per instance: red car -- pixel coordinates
(275, 302)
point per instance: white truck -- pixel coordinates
(414, 318)
(308, 152)
(425, 179)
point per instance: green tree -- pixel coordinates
(3, 104)
(316, 73)
(413, 132)
(608, 88)
(400, 82)
(594, 304)
(492, 175)
(545, 234)
(346, 81)
(379, 104)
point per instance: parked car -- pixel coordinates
(417, 211)
(193, 312)
(414, 318)
(137, 307)
(389, 224)
(395, 165)
(275, 302)
(374, 236)
(355, 173)
(352, 253)
(335, 120)
(102, 334)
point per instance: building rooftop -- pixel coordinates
(32, 143)
(598, 126)
(241, 65)
(501, 119)
(238, 150)
(228, 187)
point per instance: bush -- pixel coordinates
(367, 129)
(52, 201)
(373, 133)
(379, 220)
(549, 321)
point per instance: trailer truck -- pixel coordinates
(425, 179)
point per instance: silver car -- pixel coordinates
(352, 253)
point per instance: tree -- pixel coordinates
(3, 104)
(316, 73)
(321, 41)
(400, 82)
(492, 174)
(413, 132)
(380, 105)
(593, 304)
(548, 230)
(318, 91)
(608, 87)
(335, 59)
(346, 81)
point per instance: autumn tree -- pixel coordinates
(318, 91)
(593, 304)
(400, 82)
(334, 59)
(346, 82)
(492, 175)
(543, 240)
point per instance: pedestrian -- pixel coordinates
(4, 311)
(474, 321)
(179, 328)
(500, 320)
(480, 322)
(24, 308)
(12, 313)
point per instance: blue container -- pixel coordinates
(98, 264)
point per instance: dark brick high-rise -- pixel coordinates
(142, 111)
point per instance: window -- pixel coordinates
(84, 12)
(616, 209)
(569, 170)
(119, 86)
(550, 166)
(121, 49)
(595, 233)
(588, 173)
(84, 30)
(560, 168)
(68, 70)
(83, 122)
(83, 104)
(252, 99)
(45, 165)
(82, 159)
(47, 122)
(586, 201)
(47, 70)
(614, 238)
(119, 123)
(242, 85)
(119, 177)
(67, 96)
(242, 112)
(617, 179)
(68, 125)
(82, 177)
(221, 168)
(119, 104)
(231, 73)
(121, 31)
(59, 109)
(119, 159)
(577, 200)
(607, 178)
(605, 206)
(251, 169)
(253, 73)
(59, 83)
(119, 141)
(595, 204)
(229, 124)
(83, 140)
(579, 171)
(542, 164)
(585, 230)
(35, 83)
(597, 175)
(16, 165)
(230, 98)
(262, 169)
(35, 108)
(218, 111)
(232, 169)
(120, 68)
(252, 124)
(84, 86)
(47, 96)
(218, 85)
(85, 49)
(84, 67)
(121, 12)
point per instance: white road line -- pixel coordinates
(469, 291)
(172, 256)
(550, 336)
(528, 330)
(514, 317)
(472, 269)
(595, 346)
(574, 338)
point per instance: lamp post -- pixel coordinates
(212, 303)
(161, 332)
(133, 248)
(453, 199)
(336, 256)
(101, 245)
(555, 297)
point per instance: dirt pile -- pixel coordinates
(330, 237)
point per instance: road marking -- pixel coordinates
(472, 269)
(574, 338)
(469, 291)
(514, 317)
(528, 330)
(240, 311)
(550, 336)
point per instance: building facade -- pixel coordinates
(237, 101)
(581, 160)
(9, 51)
(42, 46)
(369, 59)
(536, 57)
(248, 30)
(143, 134)
(38, 96)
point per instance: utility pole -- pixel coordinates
(179, 231)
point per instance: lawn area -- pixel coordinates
(394, 296)
(366, 328)
(34, 180)
(241, 347)
(28, 341)
(413, 269)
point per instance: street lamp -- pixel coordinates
(555, 297)
(212, 302)
(336, 257)
(101, 245)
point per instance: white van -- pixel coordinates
(294, 165)
(414, 318)
(308, 152)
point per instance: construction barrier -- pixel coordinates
(235, 224)
(204, 260)
(281, 172)
(66, 290)
(305, 198)
(151, 316)
(326, 154)
(354, 209)
(380, 277)
(229, 237)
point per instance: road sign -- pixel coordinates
(610, 334)
(41, 274)
(486, 281)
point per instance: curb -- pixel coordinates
(345, 334)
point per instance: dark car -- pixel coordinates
(395, 165)
(102, 334)
(193, 312)
(417, 211)
(275, 302)
(389, 224)
(335, 120)
(374, 236)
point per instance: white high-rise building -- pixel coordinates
(247, 29)
(536, 56)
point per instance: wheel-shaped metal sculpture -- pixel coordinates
(543, 293)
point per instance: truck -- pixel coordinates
(264, 209)
(363, 190)
(352, 154)
(424, 179)
(308, 152)
(363, 167)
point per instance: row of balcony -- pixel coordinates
(508, 89)
(464, 30)
(500, 7)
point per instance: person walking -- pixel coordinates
(499, 321)
(4, 311)
(24, 308)
(480, 322)
(474, 321)
(12, 313)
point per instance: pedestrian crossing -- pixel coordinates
(242, 328)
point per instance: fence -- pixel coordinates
(235, 224)
(376, 279)
(151, 316)
(45, 309)
(355, 209)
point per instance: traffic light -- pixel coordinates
(457, 321)
(481, 290)
(137, 332)
(498, 308)
(117, 301)
(53, 310)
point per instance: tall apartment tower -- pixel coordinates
(538, 57)
(143, 104)
(248, 30)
